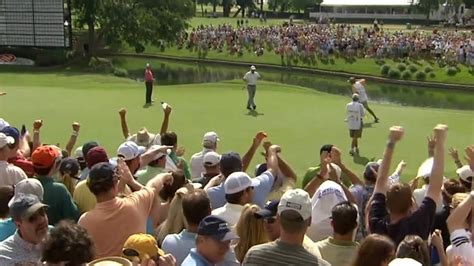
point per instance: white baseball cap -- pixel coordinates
(296, 200)
(160, 154)
(78, 153)
(28, 186)
(328, 195)
(425, 168)
(5, 140)
(130, 150)
(253, 68)
(211, 158)
(404, 262)
(239, 181)
(211, 137)
(3, 124)
(465, 172)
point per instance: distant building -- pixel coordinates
(386, 10)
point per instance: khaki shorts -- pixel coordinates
(353, 133)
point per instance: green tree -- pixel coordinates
(282, 5)
(426, 6)
(299, 5)
(214, 4)
(243, 5)
(202, 3)
(469, 3)
(135, 22)
(226, 6)
(86, 15)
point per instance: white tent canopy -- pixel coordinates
(368, 2)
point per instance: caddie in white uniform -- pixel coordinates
(251, 79)
(355, 113)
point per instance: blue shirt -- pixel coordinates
(217, 194)
(195, 259)
(84, 173)
(179, 245)
(7, 228)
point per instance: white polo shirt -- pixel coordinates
(10, 174)
(251, 78)
(462, 246)
(361, 91)
(229, 213)
(197, 163)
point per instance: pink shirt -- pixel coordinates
(111, 222)
(148, 75)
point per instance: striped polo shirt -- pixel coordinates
(279, 253)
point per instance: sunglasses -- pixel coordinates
(129, 252)
(269, 220)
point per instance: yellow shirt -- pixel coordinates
(83, 197)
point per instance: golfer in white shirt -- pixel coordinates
(358, 87)
(355, 114)
(251, 79)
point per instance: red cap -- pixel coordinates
(44, 157)
(96, 155)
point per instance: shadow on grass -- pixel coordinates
(254, 113)
(368, 125)
(147, 105)
(358, 159)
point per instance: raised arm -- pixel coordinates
(431, 145)
(470, 159)
(436, 177)
(454, 154)
(166, 119)
(318, 179)
(458, 216)
(123, 123)
(156, 183)
(333, 176)
(437, 242)
(286, 169)
(73, 138)
(245, 78)
(284, 166)
(247, 158)
(336, 158)
(396, 134)
(272, 159)
(36, 133)
(126, 177)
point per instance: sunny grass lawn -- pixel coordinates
(299, 119)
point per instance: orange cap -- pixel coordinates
(44, 156)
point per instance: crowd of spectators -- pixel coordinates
(311, 41)
(146, 205)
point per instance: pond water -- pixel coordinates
(172, 72)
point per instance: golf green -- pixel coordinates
(299, 119)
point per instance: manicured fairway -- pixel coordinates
(298, 119)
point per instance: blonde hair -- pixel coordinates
(250, 230)
(176, 221)
(69, 182)
(457, 199)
